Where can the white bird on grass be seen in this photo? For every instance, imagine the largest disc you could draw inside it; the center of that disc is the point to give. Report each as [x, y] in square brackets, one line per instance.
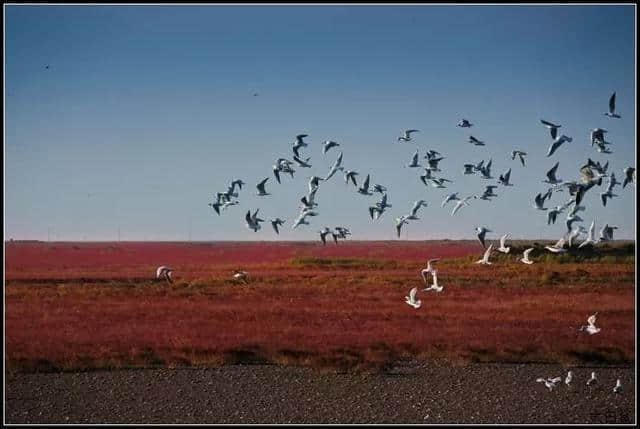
[525, 256]
[550, 383]
[241, 276]
[485, 257]
[592, 380]
[411, 299]
[502, 247]
[164, 272]
[590, 327]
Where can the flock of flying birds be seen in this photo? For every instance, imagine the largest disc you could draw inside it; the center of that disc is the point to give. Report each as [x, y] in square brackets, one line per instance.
[591, 174]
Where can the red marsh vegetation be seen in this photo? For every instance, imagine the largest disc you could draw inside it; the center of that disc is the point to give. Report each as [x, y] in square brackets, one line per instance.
[96, 305]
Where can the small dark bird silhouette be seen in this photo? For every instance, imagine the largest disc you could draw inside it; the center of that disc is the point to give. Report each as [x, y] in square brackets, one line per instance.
[46, 67]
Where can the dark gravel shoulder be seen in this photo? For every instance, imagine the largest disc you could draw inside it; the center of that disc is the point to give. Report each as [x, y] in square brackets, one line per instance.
[409, 393]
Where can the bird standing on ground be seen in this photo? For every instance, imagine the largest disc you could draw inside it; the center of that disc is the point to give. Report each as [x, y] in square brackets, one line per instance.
[592, 380]
[590, 327]
[164, 272]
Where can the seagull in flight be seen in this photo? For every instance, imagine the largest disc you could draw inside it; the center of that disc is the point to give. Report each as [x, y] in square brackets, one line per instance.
[323, 234]
[606, 233]
[485, 257]
[488, 192]
[553, 127]
[335, 167]
[407, 135]
[450, 197]
[591, 237]
[551, 175]
[612, 107]
[475, 141]
[558, 247]
[302, 163]
[399, 222]
[215, 206]
[379, 188]
[430, 268]
[299, 143]
[557, 143]
[164, 272]
[553, 214]
[525, 256]
[328, 145]
[462, 202]
[275, 223]
[261, 191]
[502, 247]
[520, 154]
[629, 173]
[482, 231]
[414, 161]
[253, 222]
[486, 170]
[435, 286]
[314, 182]
[504, 178]
[351, 175]
[539, 202]
[465, 124]
[364, 189]
[411, 299]
[469, 169]
[414, 210]
[571, 219]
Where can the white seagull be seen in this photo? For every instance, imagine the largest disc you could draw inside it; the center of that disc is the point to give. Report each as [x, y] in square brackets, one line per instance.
[502, 247]
[550, 383]
[261, 191]
[364, 188]
[275, 223]
[164, 272]
[482, 231]
[411, 299]
[485, 257]
[302, 163]
[435, 286]
[558, 247]
[475, 141]
[429, 269]
[328, 145]
[606, 233]
[520, 155]
[618, 387]
[525, 256]
[351, 175]
[414, 210]
[399, 222]
[612, 107]
[241, 276]
[407, 135]
[414, 161]
[569, 378]
[504, 178]
[551, 175]
[450, 197]
[590, 327]
[465, 124]
[629, 173]
[592, 379]
[552, 127]
[557, 143]
[591, 238]
[462, 202]
[335, 167]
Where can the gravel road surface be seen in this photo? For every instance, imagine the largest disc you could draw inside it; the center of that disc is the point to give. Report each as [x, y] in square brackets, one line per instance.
[409, 393]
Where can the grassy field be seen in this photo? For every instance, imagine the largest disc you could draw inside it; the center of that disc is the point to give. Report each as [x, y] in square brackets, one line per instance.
[87, 306]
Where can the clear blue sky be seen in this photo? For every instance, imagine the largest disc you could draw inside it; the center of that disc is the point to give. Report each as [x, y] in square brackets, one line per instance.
[146, 111]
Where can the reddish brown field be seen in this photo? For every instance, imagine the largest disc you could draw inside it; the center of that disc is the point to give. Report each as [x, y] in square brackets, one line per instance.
[96, 305]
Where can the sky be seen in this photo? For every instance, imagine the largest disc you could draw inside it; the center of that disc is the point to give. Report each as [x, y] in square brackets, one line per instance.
[145, 112]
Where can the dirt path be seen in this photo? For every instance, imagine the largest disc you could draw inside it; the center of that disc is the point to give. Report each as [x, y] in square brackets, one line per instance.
[409, 393]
